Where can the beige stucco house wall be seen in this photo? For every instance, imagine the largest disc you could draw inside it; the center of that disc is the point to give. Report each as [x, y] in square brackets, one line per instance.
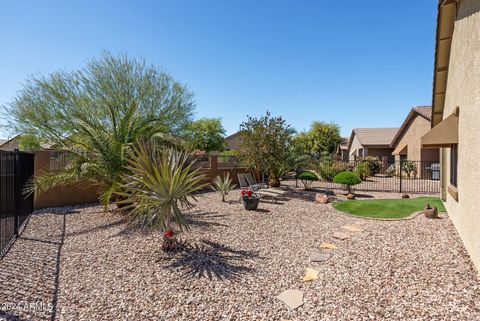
[371, 142]
[408, 141]
[461, 89]
[356, 148]
[10, 145]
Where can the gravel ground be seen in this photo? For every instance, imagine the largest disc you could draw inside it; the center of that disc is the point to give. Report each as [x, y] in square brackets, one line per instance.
[236, 262]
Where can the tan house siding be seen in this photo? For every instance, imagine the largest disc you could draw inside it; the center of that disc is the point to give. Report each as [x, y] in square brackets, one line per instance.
[412, 137]
[10, 145]
[463, 91]
[233, 141]
[355, 148]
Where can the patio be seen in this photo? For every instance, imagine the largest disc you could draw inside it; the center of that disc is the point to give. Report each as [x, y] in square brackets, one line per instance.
[235, 263]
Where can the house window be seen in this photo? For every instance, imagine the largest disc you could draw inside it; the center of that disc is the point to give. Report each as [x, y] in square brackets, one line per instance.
[453, 164]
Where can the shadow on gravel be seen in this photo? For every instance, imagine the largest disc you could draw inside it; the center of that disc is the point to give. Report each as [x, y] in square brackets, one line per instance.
[212, 260]
[205, 219]
[29, 272]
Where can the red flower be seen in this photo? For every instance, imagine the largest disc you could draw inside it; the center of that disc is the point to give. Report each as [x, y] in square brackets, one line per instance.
[243, 192]
[249, 193]
[168, 233]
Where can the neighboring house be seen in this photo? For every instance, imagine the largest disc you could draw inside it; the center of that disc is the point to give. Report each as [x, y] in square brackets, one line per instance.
[456, 116]
[10, 145]
[2, 141]
[13, 144]
[374, 142]
[233, 141]
[407, 143]
[342, 149]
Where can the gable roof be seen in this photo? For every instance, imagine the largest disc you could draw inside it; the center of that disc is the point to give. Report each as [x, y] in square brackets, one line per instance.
[344, 142]
[3, 141]
[232, 135]
[373, 136]
[422, 111]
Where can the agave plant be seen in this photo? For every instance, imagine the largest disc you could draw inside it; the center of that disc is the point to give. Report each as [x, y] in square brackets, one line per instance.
[223, 184]
[159, 185]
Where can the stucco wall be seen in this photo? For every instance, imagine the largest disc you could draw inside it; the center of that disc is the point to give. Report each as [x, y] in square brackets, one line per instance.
[232, 142]
[412, 137]
[463, 91]
[356, 145]
[380, 153]
[10, 146]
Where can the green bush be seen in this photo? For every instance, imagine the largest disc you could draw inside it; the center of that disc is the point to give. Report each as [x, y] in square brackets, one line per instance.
[373, 164]
[409, 167]
[328, 169]
[347, 179]
[307, 178]
[362, 170]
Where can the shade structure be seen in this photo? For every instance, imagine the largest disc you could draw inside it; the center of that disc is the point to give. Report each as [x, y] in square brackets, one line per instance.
[443, 134]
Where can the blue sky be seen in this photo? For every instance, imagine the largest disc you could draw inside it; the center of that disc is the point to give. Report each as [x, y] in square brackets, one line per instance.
[359, 64]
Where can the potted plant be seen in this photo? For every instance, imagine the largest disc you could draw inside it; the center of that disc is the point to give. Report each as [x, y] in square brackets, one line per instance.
[347, 179]
[250, 199]
[430, 212]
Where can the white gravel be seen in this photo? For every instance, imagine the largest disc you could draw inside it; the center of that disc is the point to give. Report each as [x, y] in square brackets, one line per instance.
[236, 263]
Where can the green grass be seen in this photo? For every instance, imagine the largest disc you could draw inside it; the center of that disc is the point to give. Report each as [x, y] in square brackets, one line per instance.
[388, 208]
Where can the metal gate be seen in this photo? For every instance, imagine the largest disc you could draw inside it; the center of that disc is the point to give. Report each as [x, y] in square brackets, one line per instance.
[16, 168]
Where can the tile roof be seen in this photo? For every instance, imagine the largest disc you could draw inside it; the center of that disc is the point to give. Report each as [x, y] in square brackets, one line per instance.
[375, 136]
[425, 111]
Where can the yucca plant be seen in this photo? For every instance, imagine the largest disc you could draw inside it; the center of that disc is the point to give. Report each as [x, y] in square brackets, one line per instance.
[223, 184]
[158, 186]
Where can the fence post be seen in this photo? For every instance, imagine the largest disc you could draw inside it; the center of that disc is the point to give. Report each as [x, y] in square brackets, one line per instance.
[15, 193]
[401, 175]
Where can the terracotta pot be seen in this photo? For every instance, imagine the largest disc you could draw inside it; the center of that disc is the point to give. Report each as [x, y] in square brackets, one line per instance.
[251, 204]
[430, 212]
[169, 244]
[350, 196]
[274, 182]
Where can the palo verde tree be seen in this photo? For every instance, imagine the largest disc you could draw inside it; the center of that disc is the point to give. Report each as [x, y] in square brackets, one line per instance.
[96, 113]
[264, 146]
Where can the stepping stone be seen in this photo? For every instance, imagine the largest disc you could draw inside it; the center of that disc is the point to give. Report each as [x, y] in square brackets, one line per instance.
[310, 275]
[352, 228]
[292, 298]
[319, 257]
[329, 246]
[341, 235]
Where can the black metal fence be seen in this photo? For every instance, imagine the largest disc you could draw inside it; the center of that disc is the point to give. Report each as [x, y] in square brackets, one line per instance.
[399, 176]
[16, 168]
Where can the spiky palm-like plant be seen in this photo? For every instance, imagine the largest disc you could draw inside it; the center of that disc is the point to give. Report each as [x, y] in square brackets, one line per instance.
[159, 185]
[223, 184]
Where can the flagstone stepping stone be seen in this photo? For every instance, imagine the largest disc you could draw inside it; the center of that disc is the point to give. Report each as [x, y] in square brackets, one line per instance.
[292, 298]
[352, 228]
[341, 235]
[310, 275]
[329, 246]
[319, 257]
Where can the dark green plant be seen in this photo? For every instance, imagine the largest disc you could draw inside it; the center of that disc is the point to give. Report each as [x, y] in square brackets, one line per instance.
[307, 178]
[347, 179]
[223, 184]
[328, 169]
[96, 114]
[409, 168]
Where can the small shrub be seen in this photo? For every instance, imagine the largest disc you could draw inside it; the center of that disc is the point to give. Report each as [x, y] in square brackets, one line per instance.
[328, 169]
[362, 170]
[223, 184]
[307, 178]
[391, 170]
[347, 179]
[409, 167]
[373, 164]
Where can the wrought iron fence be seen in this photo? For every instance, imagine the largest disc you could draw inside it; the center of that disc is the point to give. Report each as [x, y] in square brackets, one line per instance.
[399, 176]
[15, 170]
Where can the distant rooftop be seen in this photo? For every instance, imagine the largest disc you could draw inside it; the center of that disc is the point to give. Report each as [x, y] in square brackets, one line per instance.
[375, 136]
